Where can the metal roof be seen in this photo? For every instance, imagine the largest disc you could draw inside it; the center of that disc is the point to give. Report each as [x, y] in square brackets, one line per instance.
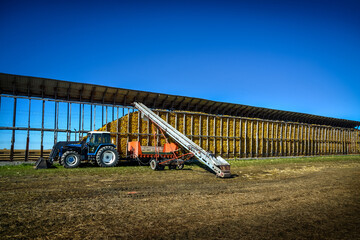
[49, 88]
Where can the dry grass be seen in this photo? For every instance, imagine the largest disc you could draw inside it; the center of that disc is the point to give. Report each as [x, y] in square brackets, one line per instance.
[298, 200]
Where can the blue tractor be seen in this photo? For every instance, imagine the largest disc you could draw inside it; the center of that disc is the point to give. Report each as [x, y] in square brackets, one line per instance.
[96, 147]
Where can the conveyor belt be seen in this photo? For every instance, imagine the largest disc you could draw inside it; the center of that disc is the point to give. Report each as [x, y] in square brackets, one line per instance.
[216, 164]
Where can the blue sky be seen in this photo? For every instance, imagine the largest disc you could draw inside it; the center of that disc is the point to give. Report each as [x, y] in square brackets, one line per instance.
[301, 56]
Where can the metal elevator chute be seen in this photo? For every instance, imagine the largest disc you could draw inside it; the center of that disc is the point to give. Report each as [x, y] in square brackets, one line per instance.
[216, 164]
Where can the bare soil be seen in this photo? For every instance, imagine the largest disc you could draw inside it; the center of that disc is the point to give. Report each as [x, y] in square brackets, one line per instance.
[302, 200]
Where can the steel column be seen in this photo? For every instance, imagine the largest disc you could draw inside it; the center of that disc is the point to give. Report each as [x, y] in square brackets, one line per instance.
[240, 138]
[117, 128]
[267, 139]
[42, 129]
[257, 138]
[277, 140]
[207, 133]
[28, 135]
[227, 128]
[262, 139]
[200, 132]
[272, 139]
[13, 132]
[56, 121]
[251, 139]
[234, 139]
[214, 127]
[245, 139]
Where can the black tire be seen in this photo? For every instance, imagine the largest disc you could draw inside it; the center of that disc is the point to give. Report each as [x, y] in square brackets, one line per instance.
[70, 159]
[161, 167]
[107, 157]
[180, 166]
[154, 164]
[172, 167]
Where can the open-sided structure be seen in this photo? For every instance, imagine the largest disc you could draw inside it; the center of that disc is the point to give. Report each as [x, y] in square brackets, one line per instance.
[232, 130]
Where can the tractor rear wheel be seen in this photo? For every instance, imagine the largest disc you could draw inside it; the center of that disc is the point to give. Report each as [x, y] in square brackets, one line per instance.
[70, 159]
[107, 157]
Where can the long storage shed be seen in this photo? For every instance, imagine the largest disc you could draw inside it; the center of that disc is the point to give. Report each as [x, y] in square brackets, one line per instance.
[232, 130]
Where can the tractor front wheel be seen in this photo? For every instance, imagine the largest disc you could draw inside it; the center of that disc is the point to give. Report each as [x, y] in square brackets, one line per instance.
[107, 157]
[70, 159]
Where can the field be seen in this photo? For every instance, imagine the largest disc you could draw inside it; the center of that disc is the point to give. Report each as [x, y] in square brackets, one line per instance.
[297, 198]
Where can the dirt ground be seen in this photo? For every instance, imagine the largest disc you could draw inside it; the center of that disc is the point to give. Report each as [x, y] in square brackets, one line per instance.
[281, 200]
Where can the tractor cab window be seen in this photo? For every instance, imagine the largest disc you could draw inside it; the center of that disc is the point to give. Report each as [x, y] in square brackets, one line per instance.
[94, 142]
[95, 138]
[106, 138]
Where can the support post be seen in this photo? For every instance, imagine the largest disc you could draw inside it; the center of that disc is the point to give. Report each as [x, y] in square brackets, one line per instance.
[117, 129]
[302, 140]
[221, 136]
[42, 129]
[184, 125]
[281, 140]
[200, 131]
[257, 138]
[91, 116]
[102, 115]
[56, 121]
[306, 139]
[272, 139]
[148, 129]
[234, 137]
[240, 137]
[82, 121]
[67, 121]
[298, 141]
[313, 141]
[337, 141]
[251, 138]
[207, 133]
[267, 139]
[80, 111]
[285, 140]
[94, 117]
[28, 134]
[191, 126]
[138, 125]
[214, 127]
[13, 132]
[290, 141]
[262, 139]
[277, 140]
[128, 130]
[245, 139]
[227, 137]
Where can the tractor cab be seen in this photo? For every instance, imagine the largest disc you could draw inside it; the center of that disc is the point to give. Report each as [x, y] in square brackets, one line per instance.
[95, 139]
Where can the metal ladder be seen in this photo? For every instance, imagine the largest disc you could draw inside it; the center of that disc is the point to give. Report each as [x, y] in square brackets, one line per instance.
[216, 164]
